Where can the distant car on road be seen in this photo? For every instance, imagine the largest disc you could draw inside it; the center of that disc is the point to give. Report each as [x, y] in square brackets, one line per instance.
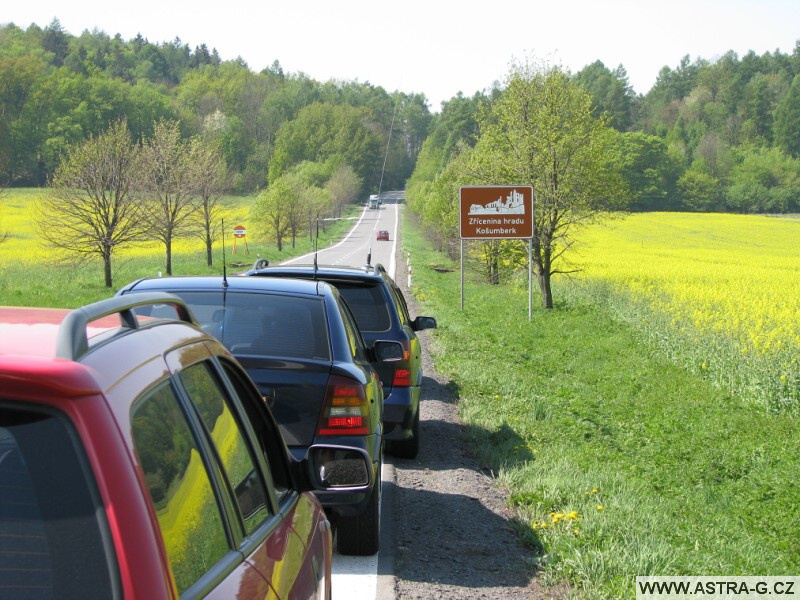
[382, 314]
[137, 460]
[300, 344]
[382, 235]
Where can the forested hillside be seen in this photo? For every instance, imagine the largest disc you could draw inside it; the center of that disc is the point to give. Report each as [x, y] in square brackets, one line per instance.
[720, 135]
[710, 135]
[57, 89]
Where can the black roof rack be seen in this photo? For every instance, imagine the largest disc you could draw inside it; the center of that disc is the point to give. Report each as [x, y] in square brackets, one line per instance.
[73, 343]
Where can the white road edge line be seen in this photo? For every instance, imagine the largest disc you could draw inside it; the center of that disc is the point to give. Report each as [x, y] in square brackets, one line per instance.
[342, 241]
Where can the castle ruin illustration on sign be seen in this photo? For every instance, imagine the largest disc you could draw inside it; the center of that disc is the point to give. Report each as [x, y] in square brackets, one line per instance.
[513, 204]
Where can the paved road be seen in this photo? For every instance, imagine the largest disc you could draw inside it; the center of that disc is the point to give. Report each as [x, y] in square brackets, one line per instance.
[367, 577]
[353, 249]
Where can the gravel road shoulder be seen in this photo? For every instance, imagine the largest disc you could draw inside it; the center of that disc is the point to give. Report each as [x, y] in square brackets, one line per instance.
[451, 529]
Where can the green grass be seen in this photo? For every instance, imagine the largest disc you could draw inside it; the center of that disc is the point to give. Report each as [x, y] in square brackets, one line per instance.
[31, 276]
[634, 465]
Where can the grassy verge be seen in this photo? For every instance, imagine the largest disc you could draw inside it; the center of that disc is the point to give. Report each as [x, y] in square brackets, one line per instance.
[30, 276]
[619, 462]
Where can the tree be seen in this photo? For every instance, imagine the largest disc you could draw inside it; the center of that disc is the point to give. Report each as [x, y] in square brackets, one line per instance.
[699, 189]
[271, 209]
[55, 40]
[4, 234]
[763, 180]
[167, 186]
[324, 131]
[343, 186]
[649, 171]
[611, 93]
[295, 209]
[209, 180]
[787, 120]
[318, 203]
[90, 208]
[541, 132]
[20, 79]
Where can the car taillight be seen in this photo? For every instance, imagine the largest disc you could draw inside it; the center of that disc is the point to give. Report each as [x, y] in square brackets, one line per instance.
[402, 376]
[346, 411]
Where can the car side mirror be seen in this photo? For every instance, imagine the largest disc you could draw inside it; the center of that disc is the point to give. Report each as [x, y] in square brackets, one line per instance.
[388, 351]
[421, 323]
[338, 468]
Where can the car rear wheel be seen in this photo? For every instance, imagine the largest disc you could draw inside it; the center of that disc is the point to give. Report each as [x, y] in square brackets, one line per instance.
[360, 536]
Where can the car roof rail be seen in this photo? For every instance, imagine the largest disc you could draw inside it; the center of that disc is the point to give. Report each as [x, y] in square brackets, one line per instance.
[73, 343]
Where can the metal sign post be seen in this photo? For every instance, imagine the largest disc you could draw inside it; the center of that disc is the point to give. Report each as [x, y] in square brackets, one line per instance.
[240, 233]
[530, 279]
[462, 273]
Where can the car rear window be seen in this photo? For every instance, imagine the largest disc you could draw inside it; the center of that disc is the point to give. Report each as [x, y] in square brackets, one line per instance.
[259, 324]
[52, 523]
[368, 306]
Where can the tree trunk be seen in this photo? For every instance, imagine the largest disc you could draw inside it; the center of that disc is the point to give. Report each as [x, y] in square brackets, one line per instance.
[168, 244]
[107, 267]
[545, 289]
[209, 255]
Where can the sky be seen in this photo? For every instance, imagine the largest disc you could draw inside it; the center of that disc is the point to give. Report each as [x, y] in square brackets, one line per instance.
[436, 47]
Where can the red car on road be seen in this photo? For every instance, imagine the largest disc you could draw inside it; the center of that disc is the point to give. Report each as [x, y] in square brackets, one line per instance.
[138, 460]
[382, 235]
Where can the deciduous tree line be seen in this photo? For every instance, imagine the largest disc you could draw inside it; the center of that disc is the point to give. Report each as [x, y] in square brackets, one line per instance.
[57, 90]
[566, 135]
[110, 192]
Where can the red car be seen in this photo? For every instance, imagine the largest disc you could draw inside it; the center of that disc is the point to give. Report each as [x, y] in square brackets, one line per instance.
[138, 460]
[383, 235]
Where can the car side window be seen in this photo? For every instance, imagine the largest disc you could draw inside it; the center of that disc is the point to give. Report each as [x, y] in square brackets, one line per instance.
[179, 484]
[230, 442]
[266, 433]
[353, 336]
[400, 304]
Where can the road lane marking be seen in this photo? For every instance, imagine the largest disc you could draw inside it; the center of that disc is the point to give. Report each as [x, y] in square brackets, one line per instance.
[349, 233]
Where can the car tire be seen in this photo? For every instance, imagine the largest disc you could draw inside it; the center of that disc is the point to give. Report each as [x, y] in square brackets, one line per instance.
[407, 448]
[360, 536]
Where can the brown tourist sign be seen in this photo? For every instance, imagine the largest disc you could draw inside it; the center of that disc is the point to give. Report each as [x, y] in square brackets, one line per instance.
[496, 212]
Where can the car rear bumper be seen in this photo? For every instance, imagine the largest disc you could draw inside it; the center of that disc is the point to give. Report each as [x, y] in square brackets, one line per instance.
[399, 409]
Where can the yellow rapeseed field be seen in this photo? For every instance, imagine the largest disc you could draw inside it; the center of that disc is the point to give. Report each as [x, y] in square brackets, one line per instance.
[713, 276]
[24, 246]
